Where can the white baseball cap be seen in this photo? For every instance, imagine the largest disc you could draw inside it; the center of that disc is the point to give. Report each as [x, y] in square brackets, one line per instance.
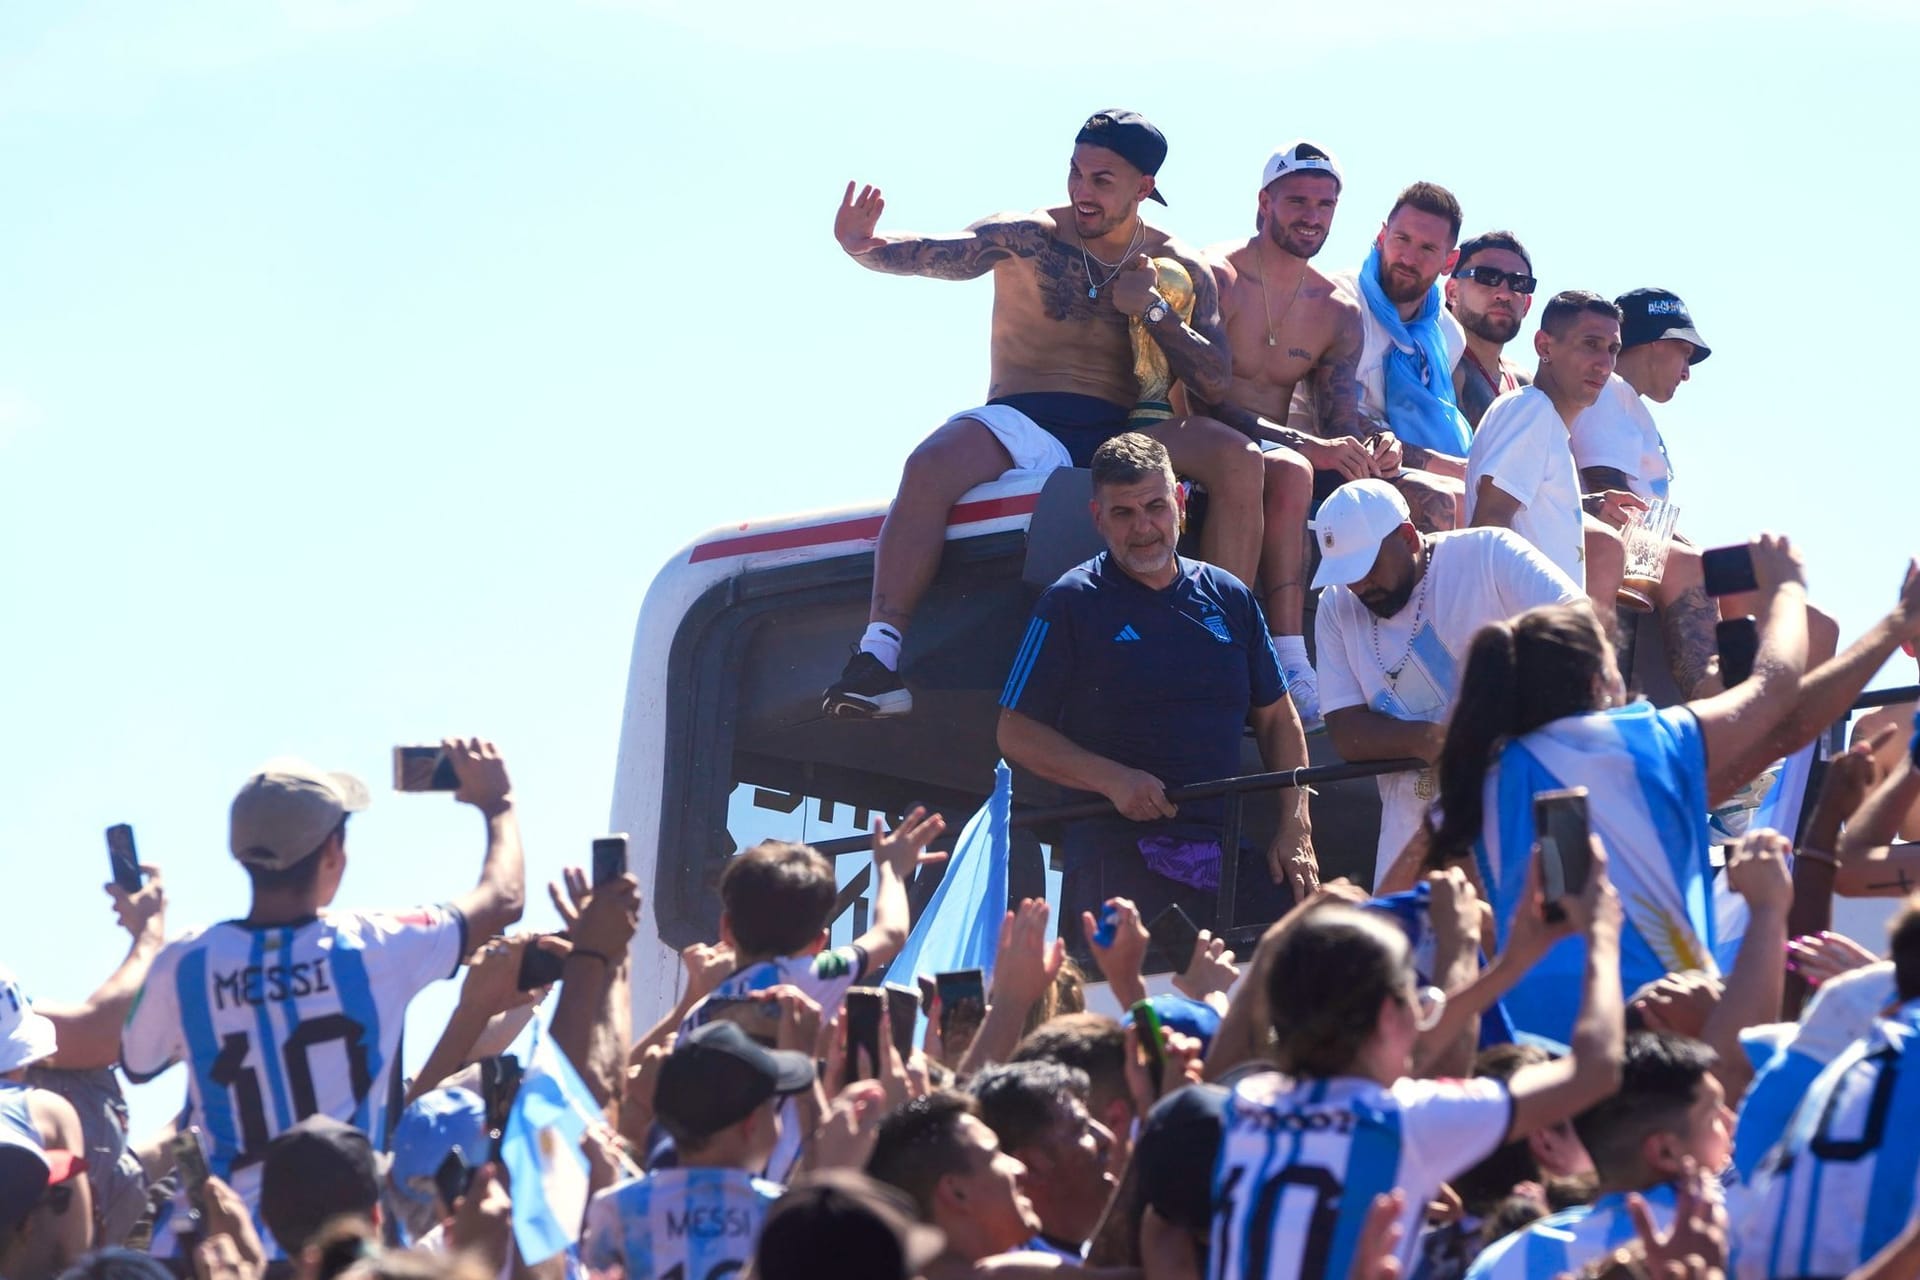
[1354, 520]
[25, 1036]
[1300, 156]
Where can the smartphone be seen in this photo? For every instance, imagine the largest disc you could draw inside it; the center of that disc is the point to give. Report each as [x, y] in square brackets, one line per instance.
[609, 858]
[122, 859]
[539, 967]
[1173, 934]
[423, 769]
[1147, 1030]
[191, 1159]
[1728, 570]
[903, 1007]
[451, 1178]
[499, 1086]
[863, 1009]
[1566, 854]
[760, 1019]
[1738, 640]
[963, 1004]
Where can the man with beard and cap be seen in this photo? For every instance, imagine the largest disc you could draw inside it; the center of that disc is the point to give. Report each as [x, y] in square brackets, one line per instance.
[1073, 287]
[1141, 671]
[1489, 293]
[1398, 611]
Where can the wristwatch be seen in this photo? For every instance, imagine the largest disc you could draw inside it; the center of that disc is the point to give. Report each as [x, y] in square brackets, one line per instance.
[1156, 310]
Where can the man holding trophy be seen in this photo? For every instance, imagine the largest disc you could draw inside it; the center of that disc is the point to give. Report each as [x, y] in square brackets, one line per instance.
[1077, 320]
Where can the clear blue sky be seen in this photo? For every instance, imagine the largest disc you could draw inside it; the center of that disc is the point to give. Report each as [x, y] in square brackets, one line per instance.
[360, 362]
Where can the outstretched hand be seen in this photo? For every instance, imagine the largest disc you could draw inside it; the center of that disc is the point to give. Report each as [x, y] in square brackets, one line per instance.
[1026, 965]
[853, 225]
[143, 913]
[905, 847]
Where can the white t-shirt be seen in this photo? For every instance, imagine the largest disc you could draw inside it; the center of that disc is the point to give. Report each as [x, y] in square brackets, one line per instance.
[1522, 447]
[1408, 666]
[1301, 1161]
[1617, 431]
[1372, 372]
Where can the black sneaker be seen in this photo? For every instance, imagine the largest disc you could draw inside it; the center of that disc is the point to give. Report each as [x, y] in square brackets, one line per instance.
[866, 690]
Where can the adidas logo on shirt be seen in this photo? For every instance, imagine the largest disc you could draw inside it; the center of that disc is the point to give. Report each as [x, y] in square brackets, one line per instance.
[1127, 633]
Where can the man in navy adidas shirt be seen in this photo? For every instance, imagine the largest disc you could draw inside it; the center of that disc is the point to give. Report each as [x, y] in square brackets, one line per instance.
[1138, 674]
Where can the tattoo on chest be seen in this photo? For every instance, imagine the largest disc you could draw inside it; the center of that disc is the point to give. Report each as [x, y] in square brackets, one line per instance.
[1062, 280]
[1299, 353]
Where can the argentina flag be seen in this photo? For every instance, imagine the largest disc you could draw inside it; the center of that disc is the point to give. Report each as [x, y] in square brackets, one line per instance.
[1645, 771]
[541, 1147]
[960, 928]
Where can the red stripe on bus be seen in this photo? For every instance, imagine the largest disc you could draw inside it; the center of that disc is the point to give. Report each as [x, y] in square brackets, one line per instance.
[852, 530]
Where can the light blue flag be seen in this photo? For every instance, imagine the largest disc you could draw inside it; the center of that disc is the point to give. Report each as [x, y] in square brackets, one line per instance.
[960, 929]
[541, 1147]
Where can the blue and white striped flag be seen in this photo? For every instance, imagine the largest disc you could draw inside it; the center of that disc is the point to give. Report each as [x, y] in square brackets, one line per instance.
[960, 928]
[541, 1147]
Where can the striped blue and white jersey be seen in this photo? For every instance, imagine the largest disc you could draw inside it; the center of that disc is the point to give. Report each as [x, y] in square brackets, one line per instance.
[676, 1224]
[1567, 1241]
[1845, 1179]
[1301, 1162]
[287, 1021]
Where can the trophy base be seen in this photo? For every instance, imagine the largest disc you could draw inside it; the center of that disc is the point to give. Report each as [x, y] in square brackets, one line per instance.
[1148, 413]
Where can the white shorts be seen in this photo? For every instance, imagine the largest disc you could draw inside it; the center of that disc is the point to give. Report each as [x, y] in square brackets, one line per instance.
[1031, 446]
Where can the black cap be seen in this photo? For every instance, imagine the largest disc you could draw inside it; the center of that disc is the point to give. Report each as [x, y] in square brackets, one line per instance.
[717, 1076]
[866, 1227]
[313, 1173]
[1648, 315]
[1175, 1155]
[1132, 137]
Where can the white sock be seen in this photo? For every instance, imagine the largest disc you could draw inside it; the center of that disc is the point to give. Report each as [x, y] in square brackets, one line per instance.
[1292, 651]
[883, 642]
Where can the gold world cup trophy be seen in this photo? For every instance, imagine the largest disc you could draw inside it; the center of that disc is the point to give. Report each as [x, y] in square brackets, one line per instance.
[1149, 361]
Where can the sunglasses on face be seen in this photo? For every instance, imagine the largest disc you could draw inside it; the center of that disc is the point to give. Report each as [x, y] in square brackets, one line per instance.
[1494, 278]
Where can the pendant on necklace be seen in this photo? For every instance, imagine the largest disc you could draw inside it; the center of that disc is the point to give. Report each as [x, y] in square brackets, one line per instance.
[1269, 339]
[1093, 291]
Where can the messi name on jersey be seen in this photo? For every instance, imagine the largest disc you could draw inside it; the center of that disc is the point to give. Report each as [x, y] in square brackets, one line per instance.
[258, 984]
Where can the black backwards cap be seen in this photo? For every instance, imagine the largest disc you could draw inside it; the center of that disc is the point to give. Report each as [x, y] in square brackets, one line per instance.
[1132, 137]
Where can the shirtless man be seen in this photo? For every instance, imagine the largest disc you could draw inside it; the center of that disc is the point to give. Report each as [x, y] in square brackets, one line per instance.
[1490, 293]
[1066, 282]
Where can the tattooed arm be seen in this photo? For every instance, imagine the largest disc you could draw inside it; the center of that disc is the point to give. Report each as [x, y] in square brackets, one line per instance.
[966, 256]
[1336, 381]
[1196, 350]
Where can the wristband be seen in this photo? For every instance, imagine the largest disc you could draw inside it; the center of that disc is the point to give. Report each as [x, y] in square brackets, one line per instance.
[580, 952]
[1816, 855]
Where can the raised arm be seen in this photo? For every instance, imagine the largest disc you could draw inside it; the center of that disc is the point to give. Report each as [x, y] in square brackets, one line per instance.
[593, 1019]
[1738, 725]
[1757, 871]
[897, 854]
[501, 895]
[1548, 1092]
[966, 255]
[87, 1035]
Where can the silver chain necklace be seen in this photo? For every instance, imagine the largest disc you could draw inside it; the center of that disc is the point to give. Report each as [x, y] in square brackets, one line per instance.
[1413, 632]
[1087, 260]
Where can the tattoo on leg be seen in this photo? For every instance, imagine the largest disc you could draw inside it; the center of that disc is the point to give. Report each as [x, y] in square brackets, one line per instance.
[895, 618]
[1687, 624]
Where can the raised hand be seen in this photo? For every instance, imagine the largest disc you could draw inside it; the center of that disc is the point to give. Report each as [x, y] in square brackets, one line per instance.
[1775, 562]
[853, 225]
[707, 965]
[1906, 614]
[1851, 778]
[1121, 960]
[482, 773]
[1822, 957]
[905, 847]
[1210, 969]
[1026, 966]
[142, 914]
[1757, 870]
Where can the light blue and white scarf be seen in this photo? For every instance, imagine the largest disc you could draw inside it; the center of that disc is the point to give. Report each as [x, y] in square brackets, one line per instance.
[1645, 772]
[1419, 374]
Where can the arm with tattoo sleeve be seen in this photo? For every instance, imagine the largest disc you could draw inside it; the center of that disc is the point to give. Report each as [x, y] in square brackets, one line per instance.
[1336, 383]
[965, 256]
[1196, 350]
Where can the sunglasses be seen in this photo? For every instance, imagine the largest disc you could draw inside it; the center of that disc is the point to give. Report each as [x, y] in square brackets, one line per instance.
[1494, 278]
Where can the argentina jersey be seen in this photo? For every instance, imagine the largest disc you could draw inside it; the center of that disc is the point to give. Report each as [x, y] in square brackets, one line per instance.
[1563, 1243]
[1845, 1179]
[1301, 1163]
[281, 1022]
[676, 1224]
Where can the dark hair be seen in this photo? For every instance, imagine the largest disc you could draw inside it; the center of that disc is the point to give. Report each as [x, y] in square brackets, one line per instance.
[1492, 240]
[1903, 937]
[1431, 197]
[919, 1144]
[1094, 1044]
[778, 897]
[1659, 1075]
[1129, 458]
[117, 1264]
[1515, 1213]
[1568, 303]
[1485, 1185]
[1522, 673]
[298, 877]
[1330, 975]
[1022, 1101]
